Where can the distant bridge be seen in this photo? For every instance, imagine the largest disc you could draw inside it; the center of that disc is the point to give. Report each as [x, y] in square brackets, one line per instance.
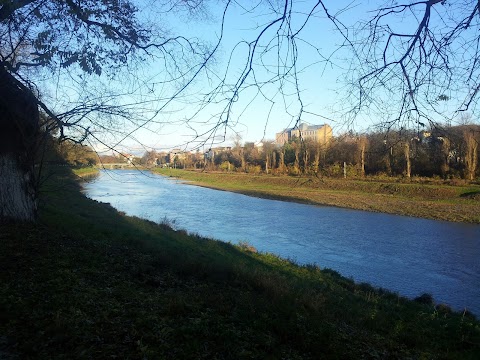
[115, 166]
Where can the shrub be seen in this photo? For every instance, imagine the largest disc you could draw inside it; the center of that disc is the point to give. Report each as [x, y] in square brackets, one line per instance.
[254, 169]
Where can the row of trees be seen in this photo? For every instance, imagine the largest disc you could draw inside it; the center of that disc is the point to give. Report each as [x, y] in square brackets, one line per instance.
[449, 152]
[74, 154]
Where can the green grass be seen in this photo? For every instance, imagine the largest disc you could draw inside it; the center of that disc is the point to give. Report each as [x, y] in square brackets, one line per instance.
[85, 171]
[90, 282]
[433, 200]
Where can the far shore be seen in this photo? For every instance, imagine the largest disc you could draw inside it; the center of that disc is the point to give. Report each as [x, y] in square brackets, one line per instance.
[431, 201]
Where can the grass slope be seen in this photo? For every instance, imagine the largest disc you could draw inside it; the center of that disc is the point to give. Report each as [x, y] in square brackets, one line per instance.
[432, 201]
[89, 282]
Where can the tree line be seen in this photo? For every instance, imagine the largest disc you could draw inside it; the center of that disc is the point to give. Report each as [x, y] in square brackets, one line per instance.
[444, 152]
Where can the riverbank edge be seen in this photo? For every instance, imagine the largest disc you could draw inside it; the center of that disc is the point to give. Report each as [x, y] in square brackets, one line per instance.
[88, 281]
[86, 173]
[449, 208]
[93, 171]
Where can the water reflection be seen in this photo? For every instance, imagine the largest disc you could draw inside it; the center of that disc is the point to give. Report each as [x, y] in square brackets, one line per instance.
[404, 254]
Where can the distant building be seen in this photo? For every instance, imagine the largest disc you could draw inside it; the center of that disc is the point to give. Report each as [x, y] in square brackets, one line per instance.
[259, 146]
[283, 137]
[321, 134]
[221, 149]
[128, 157]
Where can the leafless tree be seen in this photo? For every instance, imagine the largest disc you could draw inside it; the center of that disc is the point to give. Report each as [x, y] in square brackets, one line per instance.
[79, 63]
[362, 143]
[471, 153]
[408, 163]
[416, 62]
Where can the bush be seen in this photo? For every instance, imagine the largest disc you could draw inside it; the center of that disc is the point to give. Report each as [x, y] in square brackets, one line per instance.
[226, 166]
[254, 169]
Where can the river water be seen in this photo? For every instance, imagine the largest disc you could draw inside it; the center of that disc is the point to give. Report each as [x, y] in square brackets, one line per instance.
[407, 255]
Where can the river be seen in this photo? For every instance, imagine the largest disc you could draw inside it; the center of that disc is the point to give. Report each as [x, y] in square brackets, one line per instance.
[407, 255]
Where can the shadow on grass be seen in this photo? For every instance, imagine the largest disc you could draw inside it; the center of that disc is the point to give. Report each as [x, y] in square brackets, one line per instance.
[475, 195]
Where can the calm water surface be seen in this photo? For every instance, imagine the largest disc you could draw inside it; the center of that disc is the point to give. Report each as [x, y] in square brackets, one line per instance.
[407, 255]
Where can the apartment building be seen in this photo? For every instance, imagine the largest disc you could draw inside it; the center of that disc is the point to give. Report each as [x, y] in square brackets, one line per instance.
[321, 134]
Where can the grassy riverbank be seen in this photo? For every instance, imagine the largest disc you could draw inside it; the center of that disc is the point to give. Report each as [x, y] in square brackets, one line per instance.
[90, 282]
[460, 203]
[86, 172]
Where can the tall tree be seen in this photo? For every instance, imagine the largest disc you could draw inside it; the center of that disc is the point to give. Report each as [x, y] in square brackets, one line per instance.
[471, 153]
[269, 153]
[281, 164]
[362, 147]
[445, 151]
[75, 41]
[297, 148]
[19, 125]
[408, 163]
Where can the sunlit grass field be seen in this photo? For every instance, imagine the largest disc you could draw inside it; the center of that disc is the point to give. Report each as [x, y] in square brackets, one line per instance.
[427, 199]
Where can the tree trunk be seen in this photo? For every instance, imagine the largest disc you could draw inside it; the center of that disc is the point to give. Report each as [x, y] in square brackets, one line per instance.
[17, 191]
[408, 165]
[296, 165]
[19, 122]
[306, 159]
[362, 160]
[281, 166]
[266, 164]
[445, 152]
[363, 145]
[389, 161]
[471, 154]
[316, 161]
[244, 164]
